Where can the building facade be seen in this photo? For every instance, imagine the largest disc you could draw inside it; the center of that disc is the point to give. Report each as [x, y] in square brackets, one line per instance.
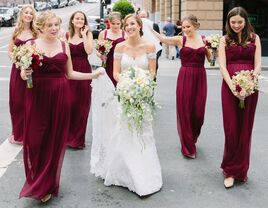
[210, 13]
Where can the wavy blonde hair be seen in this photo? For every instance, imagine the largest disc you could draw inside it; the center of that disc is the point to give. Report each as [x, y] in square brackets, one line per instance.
[43, 18]
[20, 24]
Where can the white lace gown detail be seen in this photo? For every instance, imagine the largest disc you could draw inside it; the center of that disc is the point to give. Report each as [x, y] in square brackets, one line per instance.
[124, 158]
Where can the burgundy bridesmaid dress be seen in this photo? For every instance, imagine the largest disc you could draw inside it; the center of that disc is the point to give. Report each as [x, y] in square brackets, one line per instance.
[110, 56]
[238, 123]
[80, 97]
[47, 117]
[17, 88]
[191, 97]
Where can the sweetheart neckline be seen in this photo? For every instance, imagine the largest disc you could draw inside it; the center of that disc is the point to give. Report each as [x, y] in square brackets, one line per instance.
[54, 55]
[134, 58]
[194, 48]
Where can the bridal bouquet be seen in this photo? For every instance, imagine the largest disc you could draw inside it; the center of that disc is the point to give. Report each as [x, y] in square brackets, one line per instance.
[104, 47]
[135, 91]
[27, 57]
[245, 83]
[213, 42]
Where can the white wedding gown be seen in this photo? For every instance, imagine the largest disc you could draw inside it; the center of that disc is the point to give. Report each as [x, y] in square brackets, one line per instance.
[118, 156]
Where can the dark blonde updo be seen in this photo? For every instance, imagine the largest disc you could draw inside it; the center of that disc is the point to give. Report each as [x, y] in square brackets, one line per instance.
[43, 18]
[192, 19]
[115, 16]
[138, 20]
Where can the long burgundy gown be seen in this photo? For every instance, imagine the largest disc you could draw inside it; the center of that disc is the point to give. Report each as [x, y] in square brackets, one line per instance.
[47, 117]
[238, 123]
[80, 97]
[191, 97]
[110, 56]
[17, 88]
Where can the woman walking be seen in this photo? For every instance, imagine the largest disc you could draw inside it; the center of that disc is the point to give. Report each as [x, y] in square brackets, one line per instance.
[239, 49]
[80, 41]
[24, 31]
[191, 90]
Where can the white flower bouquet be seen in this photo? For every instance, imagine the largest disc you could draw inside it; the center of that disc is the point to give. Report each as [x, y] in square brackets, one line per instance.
[244, 83]
[213, 42]
[135, 92]
[25, 57]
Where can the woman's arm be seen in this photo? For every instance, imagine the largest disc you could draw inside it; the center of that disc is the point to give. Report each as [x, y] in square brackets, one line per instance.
[257, 57]
[117, 61]
[175, 40]
[87, 39]
[150, 49]
[222, 63]
[71, 74]
[10, 46]
[208, 54]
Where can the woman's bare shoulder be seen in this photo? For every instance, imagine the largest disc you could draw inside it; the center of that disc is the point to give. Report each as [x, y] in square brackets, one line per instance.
[120, 46]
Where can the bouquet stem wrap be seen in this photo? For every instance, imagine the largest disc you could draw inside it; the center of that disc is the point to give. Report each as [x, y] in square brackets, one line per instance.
[29, 82]
[213, 59]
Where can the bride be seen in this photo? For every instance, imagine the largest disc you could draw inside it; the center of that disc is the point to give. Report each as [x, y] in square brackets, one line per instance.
[117, 155]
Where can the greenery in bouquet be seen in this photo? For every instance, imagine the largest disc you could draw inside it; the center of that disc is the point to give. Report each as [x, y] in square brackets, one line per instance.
[135, 92]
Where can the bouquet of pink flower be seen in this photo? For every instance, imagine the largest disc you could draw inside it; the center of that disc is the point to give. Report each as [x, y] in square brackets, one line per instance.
[244, 83]
[213, 42]
[104, 47]
[27, 57]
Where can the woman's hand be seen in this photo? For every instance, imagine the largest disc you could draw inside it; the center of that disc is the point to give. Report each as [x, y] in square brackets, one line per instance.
[103, 58]
[84, 30]
[25, 73]
[99, 71]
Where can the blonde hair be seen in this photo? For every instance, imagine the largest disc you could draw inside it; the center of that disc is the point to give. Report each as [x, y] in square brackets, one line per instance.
[20, 24]
[192, 19]
[43, 18]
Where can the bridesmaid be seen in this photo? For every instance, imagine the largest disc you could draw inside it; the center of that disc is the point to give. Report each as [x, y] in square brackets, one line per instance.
[24, 31]
[47, 111]
[80, 40]
[191, 83]
[239, 49]
[116, 35]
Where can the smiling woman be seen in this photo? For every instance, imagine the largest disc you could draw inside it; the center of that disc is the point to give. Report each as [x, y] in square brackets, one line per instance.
[81, 45]
[23, 32]
[258, 17]
[44, 141]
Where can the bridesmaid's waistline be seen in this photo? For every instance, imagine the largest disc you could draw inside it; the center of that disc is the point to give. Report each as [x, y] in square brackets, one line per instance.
[49, 76]
[193, 65]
